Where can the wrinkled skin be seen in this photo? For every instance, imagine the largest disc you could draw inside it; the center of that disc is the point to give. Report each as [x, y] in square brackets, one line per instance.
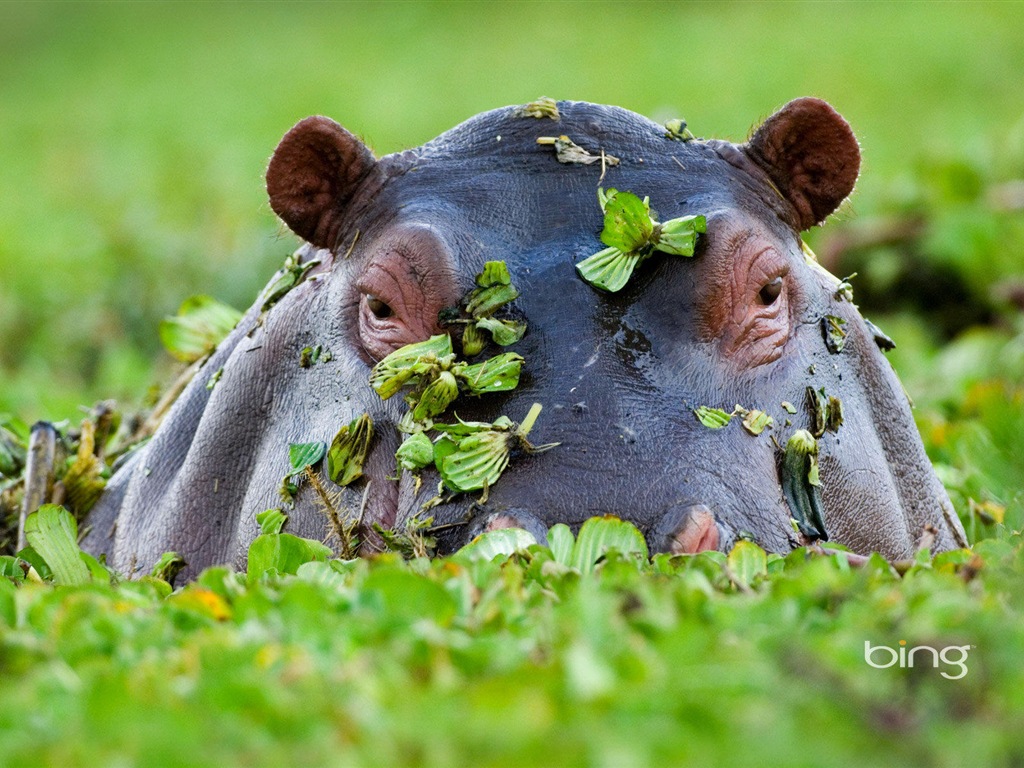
[401, 238]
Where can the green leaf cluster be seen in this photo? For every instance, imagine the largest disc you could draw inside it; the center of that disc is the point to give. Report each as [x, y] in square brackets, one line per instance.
[632, 236]
[570, 651]
[471, 455]
[493, 292]
[434, 376]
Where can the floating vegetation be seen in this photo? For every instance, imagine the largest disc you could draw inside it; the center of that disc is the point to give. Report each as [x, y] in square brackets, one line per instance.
[84, 479]
[632, 236]
[201, 324]
[169, 566]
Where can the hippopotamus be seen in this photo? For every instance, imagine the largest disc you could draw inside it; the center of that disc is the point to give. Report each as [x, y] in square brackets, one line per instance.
[393, 243]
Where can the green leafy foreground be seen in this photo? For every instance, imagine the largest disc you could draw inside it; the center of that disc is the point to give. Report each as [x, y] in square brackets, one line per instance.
[567, 654]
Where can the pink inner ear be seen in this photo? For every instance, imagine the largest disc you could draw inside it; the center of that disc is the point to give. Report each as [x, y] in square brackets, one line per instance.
[811, 155]
[313, 175]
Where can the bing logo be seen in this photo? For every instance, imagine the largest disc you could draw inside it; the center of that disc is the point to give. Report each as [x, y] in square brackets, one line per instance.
[952, 656]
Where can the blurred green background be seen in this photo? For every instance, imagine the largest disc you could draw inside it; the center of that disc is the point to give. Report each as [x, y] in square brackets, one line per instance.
[133, 140]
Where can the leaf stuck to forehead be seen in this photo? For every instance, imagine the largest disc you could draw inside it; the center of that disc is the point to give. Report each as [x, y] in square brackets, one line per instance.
[609, 269]
[542, 107]
[349, 449]
[310, 356]
[834, 333]
[816, 403]
[679, 236]
[788, 407]
[712, 418]
[569, 152]
[214, 378]
[473, 340]
[271, 520]
[627, 222]
[493, 292]
[473, 454]
[632, 235]
[833, 414]
[435, 397]
[477, 461]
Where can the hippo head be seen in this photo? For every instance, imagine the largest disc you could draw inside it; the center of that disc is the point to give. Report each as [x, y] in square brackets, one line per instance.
[749, 319]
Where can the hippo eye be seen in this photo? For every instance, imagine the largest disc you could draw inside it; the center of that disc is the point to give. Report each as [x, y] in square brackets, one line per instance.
[770, 292]
[379, 308]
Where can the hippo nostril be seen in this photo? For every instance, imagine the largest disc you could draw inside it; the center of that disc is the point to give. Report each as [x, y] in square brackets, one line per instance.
[485, 521]
[687, 530]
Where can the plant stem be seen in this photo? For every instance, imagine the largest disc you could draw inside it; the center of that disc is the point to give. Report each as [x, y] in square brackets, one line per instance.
[531, 417]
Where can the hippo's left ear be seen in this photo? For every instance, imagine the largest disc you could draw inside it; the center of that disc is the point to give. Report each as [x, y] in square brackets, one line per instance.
[313, 175]
[811, 155]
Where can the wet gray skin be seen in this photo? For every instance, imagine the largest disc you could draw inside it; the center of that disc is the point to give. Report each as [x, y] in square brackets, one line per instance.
[402, 237]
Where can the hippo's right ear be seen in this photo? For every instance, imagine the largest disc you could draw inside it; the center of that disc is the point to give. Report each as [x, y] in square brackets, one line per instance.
[313, 175]
[810, 153]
